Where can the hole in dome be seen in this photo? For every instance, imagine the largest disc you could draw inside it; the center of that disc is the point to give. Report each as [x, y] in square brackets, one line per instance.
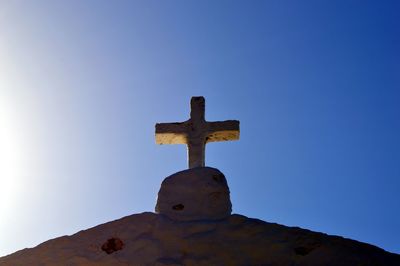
[220, 178]
[178, 207]
[112, 245]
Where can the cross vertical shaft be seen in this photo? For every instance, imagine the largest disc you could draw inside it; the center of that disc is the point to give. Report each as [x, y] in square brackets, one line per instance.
[197, 133]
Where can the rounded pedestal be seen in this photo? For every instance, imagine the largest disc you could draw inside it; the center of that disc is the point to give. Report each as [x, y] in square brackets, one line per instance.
[195, 194]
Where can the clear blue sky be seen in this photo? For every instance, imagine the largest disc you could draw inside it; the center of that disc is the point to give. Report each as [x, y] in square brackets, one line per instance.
[315, 85]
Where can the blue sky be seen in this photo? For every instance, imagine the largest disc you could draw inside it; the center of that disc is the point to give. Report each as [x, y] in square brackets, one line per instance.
[315, 85]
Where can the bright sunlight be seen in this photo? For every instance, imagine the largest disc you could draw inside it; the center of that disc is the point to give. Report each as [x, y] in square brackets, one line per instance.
[10, 157]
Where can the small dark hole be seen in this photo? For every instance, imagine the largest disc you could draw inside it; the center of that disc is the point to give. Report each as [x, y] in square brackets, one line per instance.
[220, 178]
[112, 245]
[178, 207]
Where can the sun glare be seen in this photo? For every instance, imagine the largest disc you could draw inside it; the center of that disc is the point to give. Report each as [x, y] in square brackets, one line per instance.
[10, 158]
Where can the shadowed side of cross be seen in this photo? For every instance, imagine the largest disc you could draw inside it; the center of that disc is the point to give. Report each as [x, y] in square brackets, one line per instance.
[196, 132]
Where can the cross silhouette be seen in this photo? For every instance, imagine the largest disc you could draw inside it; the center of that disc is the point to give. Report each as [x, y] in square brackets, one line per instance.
[196, 132]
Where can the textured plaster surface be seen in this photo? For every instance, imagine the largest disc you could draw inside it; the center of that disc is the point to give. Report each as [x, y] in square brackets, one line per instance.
[200, 193]
[194, 227]
[154, 239]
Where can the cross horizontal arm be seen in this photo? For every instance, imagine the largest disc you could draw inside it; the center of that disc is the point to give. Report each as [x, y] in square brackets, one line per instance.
[171, 133]
[223, 131]
[196, 132]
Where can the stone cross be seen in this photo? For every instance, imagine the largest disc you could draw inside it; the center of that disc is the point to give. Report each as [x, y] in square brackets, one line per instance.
[196, 132]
